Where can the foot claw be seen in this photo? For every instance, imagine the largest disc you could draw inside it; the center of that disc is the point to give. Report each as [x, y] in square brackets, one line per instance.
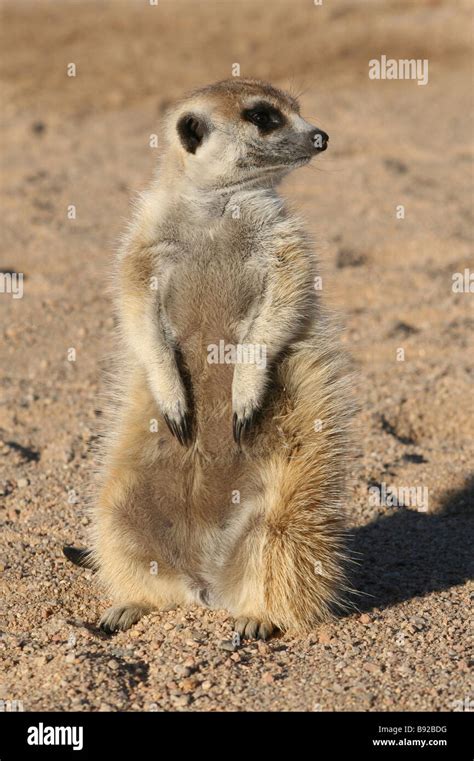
[251, 628]
[121, 618]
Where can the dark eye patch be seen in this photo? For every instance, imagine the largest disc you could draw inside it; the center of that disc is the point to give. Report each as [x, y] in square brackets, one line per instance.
[265, 116]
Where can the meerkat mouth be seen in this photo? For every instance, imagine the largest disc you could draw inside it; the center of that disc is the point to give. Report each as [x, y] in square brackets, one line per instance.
[263, 172]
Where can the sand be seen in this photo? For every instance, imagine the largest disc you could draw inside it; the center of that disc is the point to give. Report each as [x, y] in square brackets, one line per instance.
[84, 142]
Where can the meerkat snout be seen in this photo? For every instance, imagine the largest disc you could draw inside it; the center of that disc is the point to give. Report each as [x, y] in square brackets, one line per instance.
[319, 140]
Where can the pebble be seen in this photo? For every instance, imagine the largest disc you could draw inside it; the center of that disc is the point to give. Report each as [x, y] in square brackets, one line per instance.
[324, 637]
[181, 700]
[189, 684]
[227, 644]
[182, 671]
[418, 623]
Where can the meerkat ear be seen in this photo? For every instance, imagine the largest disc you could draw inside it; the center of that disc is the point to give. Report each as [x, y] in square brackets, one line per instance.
[192, 130]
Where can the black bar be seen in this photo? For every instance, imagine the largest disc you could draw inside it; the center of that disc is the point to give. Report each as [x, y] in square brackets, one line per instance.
[378, 735]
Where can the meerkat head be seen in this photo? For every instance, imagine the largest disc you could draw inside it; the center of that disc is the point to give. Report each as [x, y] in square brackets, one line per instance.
[240, 133]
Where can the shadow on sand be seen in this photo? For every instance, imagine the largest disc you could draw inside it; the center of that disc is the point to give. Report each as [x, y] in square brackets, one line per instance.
[409, 554]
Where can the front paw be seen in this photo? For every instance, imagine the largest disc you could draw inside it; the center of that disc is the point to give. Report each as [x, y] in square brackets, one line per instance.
[170, 397]
[178, 419]
[248, 387]
[180, 424]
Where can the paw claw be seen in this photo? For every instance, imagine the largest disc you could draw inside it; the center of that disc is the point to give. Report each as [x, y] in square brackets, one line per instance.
[251, 628]
[241, 426]
[180, 428]
[120, 618]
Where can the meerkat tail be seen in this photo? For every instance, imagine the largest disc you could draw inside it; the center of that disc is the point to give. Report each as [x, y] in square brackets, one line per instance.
[303, 564]
[80, 557]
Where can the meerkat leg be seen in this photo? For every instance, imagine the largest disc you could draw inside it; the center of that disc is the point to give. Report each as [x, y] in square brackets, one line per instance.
[149, 338]
[134, 545]
[164, 379]
[122, 617]
[287, 304]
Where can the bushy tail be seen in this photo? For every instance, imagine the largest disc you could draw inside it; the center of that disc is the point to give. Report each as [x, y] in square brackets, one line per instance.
[80, 557]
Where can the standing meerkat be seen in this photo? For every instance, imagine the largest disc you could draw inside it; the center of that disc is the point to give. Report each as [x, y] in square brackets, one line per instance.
[223, 475]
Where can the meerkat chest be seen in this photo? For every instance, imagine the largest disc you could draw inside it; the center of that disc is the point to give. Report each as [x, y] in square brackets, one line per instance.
[214, 287]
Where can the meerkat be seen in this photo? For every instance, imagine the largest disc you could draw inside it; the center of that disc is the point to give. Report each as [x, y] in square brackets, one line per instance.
[224, 469]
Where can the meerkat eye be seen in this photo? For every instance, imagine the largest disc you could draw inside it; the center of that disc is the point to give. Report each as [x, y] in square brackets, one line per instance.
[266, 117]
[192, 131]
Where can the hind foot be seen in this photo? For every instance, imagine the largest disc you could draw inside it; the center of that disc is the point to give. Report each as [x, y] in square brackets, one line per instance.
[121, 617]
[250, 628]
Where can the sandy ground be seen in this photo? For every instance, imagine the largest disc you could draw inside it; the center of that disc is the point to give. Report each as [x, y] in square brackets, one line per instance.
[85, 141]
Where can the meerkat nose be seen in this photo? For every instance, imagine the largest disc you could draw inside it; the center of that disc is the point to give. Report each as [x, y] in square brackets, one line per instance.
[319, 140]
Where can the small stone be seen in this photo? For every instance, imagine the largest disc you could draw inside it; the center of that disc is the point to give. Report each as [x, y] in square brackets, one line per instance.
[364, 619]
[182, 671]
[228, 644]
[38, 127]
[372, 668]
[22, 483]
[188, 685]
[324, 637]
[182, 700]
[198, 636]
[418, 623]
[267, 678]
[54, 626]
[112, 664]
[348, 257]
[206, 685]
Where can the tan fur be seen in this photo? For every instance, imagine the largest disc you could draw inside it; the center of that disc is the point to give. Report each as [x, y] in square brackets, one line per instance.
[276, 556]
